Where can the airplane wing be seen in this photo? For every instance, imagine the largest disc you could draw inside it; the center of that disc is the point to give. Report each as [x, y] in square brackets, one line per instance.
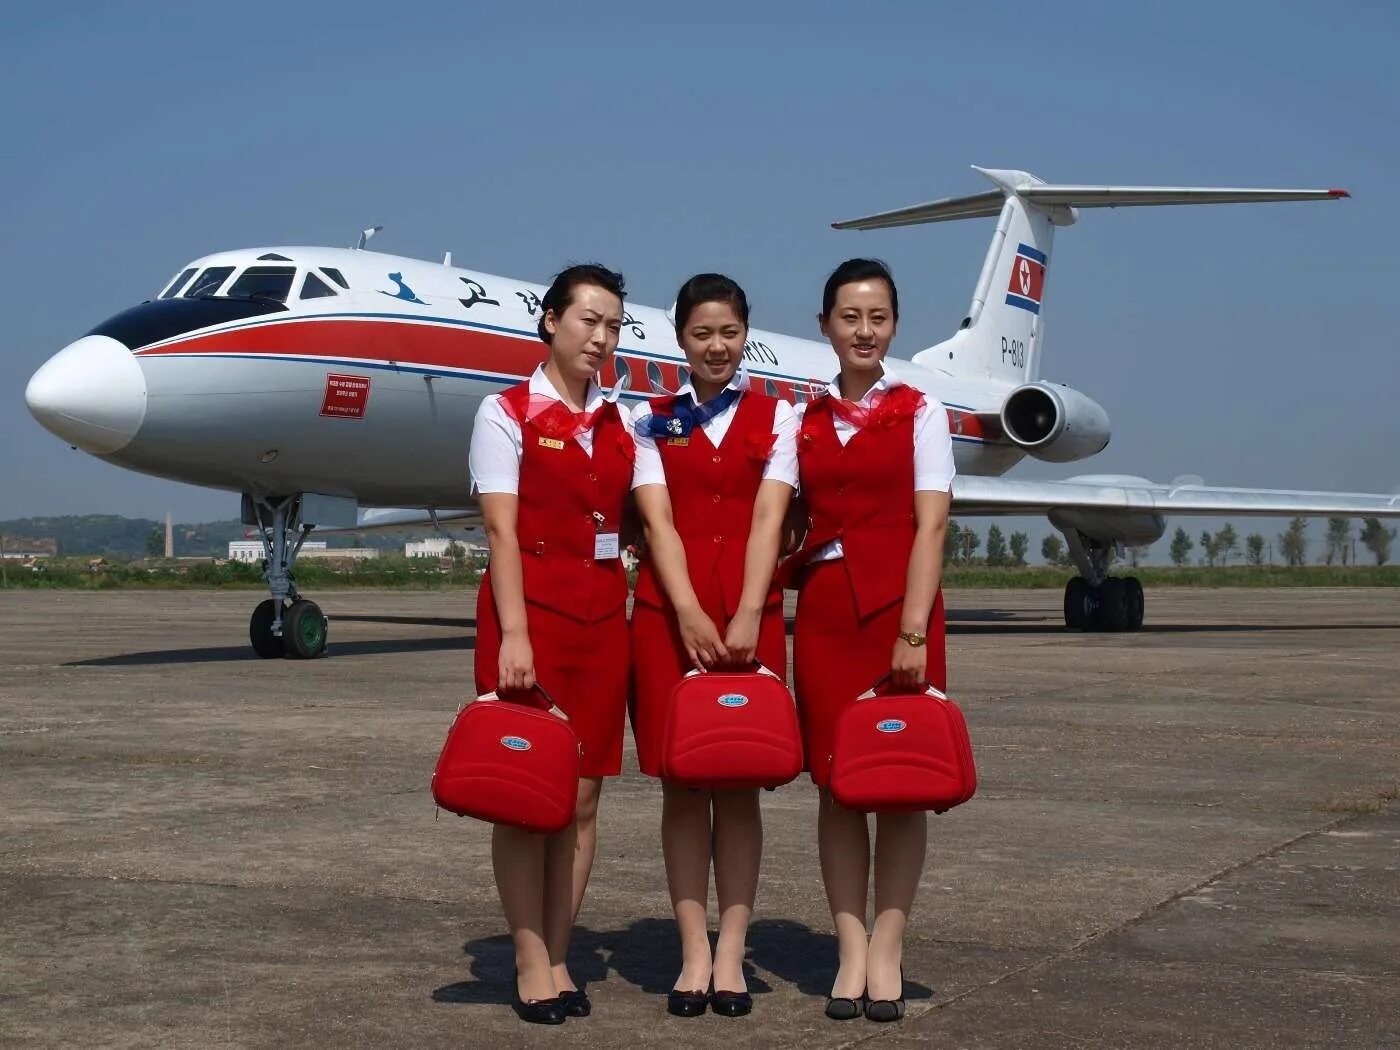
[408, 517]
[974, 495]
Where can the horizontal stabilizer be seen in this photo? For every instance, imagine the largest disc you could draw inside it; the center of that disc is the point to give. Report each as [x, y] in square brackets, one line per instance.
[977, 206]
[1147, 196]
[1049, 195]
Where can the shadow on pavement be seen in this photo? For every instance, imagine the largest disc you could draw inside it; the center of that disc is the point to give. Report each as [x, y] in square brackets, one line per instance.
[647, 955]
[244, 653]
[413, 621]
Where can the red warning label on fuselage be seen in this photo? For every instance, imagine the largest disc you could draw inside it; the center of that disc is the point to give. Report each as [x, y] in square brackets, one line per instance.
[346, 396]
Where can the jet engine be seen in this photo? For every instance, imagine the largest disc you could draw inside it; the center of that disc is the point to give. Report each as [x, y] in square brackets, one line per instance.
[1054, 423]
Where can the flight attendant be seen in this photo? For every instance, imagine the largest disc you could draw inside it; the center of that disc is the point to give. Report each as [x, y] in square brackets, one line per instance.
[552, 461]
[875, 462]
[716, 468]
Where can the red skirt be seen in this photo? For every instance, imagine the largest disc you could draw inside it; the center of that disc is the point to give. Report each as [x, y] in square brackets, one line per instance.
[659, 661]
[583, 666]
[837, 655]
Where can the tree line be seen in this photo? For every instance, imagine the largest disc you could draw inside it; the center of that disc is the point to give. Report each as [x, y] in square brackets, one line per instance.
[1338, 547]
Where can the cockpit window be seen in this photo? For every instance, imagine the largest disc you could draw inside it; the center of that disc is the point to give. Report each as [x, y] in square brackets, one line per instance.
[173, 288]
[273, 257]
[263, 282]
[336, 276]
[315, 288]
[208, 282]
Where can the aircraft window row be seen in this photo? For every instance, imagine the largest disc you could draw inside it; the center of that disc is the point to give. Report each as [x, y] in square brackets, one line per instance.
[208, 282]
[173, 288]
[654, 378]
[315, 288]
[264, 282]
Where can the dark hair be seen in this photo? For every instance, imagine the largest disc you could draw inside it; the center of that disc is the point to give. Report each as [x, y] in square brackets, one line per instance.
[710, 288]
[851, 271]
[561, 291]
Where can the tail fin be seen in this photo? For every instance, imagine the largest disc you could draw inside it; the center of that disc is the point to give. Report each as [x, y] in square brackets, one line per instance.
[1001, 336]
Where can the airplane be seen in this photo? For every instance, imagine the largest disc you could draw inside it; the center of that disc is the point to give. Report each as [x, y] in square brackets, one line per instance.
[336, 388]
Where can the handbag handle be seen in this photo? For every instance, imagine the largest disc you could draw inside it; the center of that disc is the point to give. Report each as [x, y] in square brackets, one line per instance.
[536, 690]
[929, 689]
[758, 667]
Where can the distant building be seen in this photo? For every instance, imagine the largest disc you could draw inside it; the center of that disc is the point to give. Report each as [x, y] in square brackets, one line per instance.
[252, 550]
[441, 547]
[24, 547]
[346, 553]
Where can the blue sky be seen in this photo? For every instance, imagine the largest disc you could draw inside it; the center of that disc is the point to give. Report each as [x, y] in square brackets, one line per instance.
[1248, 345]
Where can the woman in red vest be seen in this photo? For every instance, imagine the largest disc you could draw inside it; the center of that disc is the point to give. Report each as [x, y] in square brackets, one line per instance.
[876, 467]
[552, 461]
[716, 468]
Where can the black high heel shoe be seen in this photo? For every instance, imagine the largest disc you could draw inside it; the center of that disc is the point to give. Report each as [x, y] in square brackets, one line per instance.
[885, 1010]
[576, 1003]
[731, 1004]
[537, 1011]
[840, 1008]
[540, 1011]
[686, 1004]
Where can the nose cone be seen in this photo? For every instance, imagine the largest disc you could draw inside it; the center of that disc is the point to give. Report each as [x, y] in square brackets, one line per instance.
[91, 393]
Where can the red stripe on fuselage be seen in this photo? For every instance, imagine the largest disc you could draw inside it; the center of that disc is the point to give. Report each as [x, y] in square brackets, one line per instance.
[443, 346]
[410, 344]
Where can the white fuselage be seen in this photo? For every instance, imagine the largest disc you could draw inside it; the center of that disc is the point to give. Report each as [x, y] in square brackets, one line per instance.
[370, 392]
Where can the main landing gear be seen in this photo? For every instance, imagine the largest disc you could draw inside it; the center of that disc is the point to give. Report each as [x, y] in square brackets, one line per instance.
[285, 624]
[1096, 601]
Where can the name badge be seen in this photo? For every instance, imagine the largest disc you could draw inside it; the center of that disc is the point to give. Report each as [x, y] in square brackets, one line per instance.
[605, 545]
[680, 442]
[551, 442]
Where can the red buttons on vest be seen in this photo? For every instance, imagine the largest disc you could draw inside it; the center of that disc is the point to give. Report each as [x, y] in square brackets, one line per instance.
[556, 519]
[712, 494]
[863, 493]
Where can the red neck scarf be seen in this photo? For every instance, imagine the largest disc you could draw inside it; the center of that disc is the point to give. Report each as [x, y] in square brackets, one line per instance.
[886, 408]
[554, 419]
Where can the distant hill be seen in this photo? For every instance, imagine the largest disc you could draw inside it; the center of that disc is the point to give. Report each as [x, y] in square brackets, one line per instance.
[111, 535]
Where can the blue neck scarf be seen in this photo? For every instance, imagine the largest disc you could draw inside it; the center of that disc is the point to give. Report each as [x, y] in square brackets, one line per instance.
[686, 415]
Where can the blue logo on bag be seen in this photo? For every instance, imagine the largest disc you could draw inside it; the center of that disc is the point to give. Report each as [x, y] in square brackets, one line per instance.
[516, 743]
[891, 725]
[733, 700]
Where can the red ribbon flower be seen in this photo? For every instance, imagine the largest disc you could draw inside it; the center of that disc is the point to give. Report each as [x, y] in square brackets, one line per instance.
[758, 446]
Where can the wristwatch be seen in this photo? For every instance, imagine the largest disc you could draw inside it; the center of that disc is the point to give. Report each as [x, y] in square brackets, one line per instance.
[913, 638]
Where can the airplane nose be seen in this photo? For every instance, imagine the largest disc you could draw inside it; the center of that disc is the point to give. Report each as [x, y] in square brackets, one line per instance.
[91, 393]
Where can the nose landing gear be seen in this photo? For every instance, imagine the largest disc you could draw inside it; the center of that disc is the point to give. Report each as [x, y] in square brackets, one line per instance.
[285, 624]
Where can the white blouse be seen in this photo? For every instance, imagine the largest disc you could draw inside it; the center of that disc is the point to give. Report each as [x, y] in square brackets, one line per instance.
[782, 458]
[933, 446]
[497, 441]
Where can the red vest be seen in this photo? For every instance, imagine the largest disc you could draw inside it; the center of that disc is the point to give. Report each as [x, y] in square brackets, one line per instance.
[863, 494]
[561, 487]
[712, 493]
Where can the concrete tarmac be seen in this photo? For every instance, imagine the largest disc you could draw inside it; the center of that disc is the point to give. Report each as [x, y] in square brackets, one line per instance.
[1182, 838]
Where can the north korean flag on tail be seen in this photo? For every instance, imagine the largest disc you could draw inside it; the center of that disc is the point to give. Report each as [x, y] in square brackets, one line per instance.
[1027, 279]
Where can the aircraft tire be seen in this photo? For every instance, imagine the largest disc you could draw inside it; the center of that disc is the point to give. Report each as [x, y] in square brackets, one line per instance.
[304, 630]
[1137, 603]
[1114, 605]
[1076, 603]
[265, 643]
